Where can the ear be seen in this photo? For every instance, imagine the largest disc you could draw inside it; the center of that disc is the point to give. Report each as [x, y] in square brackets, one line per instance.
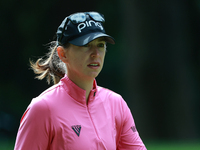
[61, 54]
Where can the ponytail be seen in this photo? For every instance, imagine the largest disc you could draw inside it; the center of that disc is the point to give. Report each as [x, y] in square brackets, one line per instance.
[50, 67]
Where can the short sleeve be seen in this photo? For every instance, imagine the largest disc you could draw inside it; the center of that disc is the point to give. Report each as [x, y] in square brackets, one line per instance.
[34, 130]
[129, 137]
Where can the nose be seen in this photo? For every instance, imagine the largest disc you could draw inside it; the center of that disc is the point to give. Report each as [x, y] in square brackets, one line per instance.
[95, 51]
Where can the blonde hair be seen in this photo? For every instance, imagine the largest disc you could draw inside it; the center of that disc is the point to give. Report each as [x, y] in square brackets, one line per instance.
[51, 66]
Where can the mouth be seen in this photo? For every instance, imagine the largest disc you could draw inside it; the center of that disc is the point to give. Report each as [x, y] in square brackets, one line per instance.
[94, 65]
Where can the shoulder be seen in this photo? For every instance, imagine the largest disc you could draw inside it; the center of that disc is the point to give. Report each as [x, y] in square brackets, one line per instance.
[50, 90]
[108, 93]
[37, 110]
[40, 104]
[116, 105]
[111, 97]
[48, 95]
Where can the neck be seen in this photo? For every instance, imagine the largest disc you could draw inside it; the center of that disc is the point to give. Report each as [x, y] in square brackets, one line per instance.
[86, 85]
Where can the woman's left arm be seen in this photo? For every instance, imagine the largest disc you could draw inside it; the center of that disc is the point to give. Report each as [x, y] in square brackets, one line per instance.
[129, 137]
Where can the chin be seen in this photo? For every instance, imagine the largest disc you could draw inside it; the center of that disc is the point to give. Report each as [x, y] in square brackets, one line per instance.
[93, 75]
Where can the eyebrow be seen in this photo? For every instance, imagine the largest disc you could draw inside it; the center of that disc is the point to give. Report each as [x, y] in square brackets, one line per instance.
[101, 39]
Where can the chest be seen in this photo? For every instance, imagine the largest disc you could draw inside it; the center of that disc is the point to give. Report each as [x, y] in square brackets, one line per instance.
[86, 127]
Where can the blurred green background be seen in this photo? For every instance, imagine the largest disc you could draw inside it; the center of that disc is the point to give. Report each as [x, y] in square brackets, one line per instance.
[154, 65]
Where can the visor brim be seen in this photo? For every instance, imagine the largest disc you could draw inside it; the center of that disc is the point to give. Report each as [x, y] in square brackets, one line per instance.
[85, 39]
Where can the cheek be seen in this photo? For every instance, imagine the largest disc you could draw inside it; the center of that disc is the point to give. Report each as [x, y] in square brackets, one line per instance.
[103, 56]
[78, 62]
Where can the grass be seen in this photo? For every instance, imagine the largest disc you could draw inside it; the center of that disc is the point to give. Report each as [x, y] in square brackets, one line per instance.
[174, 145]
[155, 145]
[6, 144]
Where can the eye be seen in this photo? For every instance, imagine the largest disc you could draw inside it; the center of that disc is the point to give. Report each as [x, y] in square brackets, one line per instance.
[101, 45]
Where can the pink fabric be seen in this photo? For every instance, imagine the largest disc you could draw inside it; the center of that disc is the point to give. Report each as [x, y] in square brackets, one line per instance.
[60, 119]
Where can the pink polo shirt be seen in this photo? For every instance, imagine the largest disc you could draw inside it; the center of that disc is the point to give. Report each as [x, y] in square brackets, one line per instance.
[60, 119]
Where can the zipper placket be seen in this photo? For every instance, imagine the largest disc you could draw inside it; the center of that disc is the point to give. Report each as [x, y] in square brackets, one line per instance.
[92, 122]
[88, 110]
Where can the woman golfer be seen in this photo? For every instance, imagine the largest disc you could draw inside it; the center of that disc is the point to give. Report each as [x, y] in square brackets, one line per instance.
[75, 113]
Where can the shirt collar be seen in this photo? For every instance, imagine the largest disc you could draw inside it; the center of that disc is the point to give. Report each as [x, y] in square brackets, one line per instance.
[76, 92]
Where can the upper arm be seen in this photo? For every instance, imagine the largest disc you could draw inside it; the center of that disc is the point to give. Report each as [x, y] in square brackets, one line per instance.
[34, 128]
[129, 138]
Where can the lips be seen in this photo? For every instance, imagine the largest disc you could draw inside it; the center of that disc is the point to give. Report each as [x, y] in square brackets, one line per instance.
[94, 65]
